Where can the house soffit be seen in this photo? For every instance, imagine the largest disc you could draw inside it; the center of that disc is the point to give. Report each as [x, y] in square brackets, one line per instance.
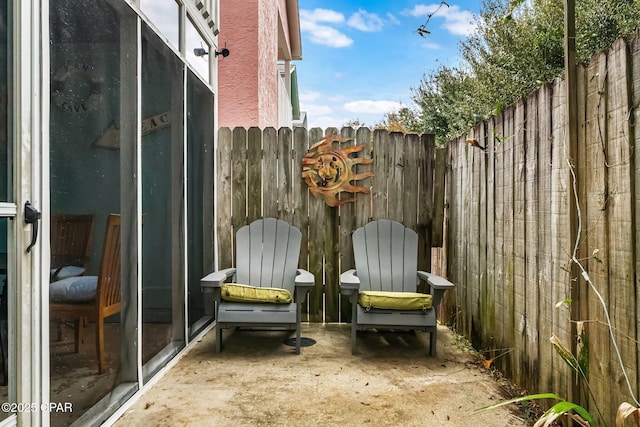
[293, 20]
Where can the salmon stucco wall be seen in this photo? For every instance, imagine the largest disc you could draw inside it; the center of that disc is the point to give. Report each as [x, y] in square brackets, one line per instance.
[238, 73]
[268, 64]
[248, 77]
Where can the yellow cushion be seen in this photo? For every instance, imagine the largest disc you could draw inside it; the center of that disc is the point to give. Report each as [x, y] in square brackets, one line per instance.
[242, 293]
[394, 300]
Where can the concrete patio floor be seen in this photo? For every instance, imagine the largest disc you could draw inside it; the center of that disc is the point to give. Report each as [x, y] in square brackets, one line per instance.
[258, 380]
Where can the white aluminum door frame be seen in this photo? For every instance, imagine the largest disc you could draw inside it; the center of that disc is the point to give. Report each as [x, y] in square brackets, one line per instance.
[29, 127]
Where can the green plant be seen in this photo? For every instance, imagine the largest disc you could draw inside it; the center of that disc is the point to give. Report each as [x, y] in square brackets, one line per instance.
[529, 409]
[562, 407]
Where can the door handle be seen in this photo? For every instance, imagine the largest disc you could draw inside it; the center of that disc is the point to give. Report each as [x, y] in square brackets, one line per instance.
[31, 216]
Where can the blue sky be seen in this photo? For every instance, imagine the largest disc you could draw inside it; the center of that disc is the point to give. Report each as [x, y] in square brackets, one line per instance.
[361, 58]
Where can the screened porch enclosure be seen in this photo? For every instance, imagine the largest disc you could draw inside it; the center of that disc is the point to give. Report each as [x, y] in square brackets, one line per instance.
[131, 134]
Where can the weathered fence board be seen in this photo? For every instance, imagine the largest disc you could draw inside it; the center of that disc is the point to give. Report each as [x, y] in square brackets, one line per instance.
[596, 225]
[284, 186]
[532, 295]
[381, 167]
[508, 241]
[471, 261]
[489, 298]
[254, 176]
[300, 196]
[409, 148]
[519, 239]
[635, 141]
[498, 243]
[348, 220]
[527, 242]
[457, 262]
[395, 178]
[363, 205]
[270, 166]
[321, 215]
[620, 184]
[482, 232]
[545, 300]
[453, 221]
[439, 170]
[224, 200]
[425, 157]
[561, 244]
[238, 183]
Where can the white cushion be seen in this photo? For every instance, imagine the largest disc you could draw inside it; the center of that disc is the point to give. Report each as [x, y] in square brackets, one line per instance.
[74, 289]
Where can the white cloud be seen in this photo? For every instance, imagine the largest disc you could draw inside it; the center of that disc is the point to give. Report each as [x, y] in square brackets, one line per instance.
[321, 15]
[456, 21]
[325, 110]
[392, 19]
[422, 10]
[432, 46]
[318, 103]
[327, 121]
[459, 22]
[322, 115]
[309, 95]
[323, 34]
[316, 109]
[365, 21]
[372, 107]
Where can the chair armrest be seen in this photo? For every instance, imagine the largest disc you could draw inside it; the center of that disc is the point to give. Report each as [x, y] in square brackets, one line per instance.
[434, 281]
[438, 285]
[349, 282]
[217, 278]
[304, 282]
[211, 285]
[304, 278]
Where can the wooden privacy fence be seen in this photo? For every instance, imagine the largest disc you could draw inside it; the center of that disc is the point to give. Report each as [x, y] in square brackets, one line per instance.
[508, 233]
[259, 174]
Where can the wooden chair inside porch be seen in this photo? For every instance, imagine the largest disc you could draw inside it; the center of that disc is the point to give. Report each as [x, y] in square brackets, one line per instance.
[71, 238]
[108, 295]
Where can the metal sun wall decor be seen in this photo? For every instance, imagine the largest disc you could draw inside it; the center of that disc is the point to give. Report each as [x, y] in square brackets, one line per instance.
[328, 170]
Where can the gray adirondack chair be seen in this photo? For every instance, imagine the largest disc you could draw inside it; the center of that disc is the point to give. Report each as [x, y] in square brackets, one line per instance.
[386, 254]
[267, 252]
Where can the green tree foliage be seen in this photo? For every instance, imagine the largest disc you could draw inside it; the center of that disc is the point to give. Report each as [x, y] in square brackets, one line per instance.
[403, 120]
[448, 102]
[517, 47]
[510, 57]
[354, 123]
[599, 23]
